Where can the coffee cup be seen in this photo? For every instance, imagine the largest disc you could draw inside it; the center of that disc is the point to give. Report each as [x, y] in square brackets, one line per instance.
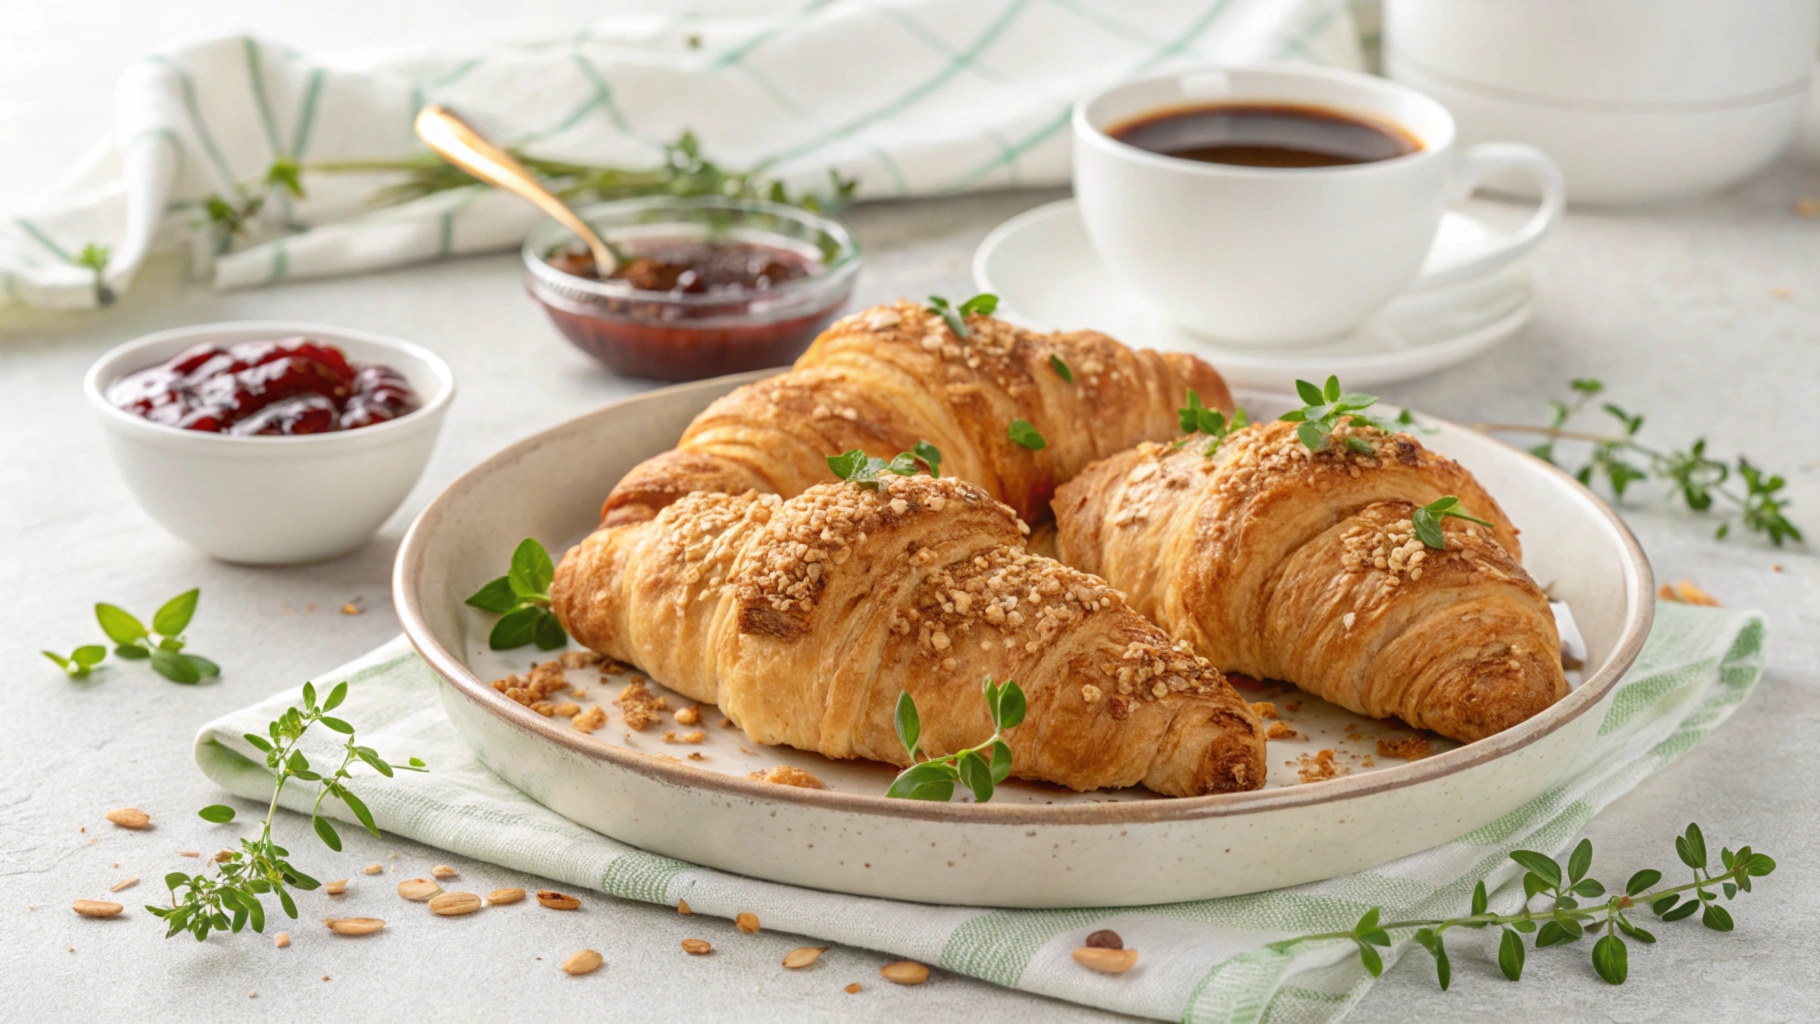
[1280, 205]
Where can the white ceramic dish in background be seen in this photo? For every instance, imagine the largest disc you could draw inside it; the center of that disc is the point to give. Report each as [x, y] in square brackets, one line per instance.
[1032, 846]
[1638, 101]
[272, 500]
[1047, 275]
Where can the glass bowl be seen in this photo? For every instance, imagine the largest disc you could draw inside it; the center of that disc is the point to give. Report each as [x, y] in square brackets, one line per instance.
[676, 335]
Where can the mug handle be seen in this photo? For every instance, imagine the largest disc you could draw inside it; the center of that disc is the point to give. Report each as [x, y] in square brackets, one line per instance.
[1481, 162]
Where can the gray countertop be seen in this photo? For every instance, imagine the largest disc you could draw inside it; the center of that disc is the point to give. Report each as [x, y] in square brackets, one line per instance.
[1705, 317]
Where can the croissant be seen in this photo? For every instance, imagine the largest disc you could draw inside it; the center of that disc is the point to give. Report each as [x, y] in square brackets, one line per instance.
[883, 379]
[1284, 563]
[803, 619]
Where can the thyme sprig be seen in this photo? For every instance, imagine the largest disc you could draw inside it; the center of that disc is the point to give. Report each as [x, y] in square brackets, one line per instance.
[982, 767]
[228, 897]
[1196, 418]
[1561, 919]
[95, 258]
[1328, 405]
[1695, 477]
[956, 316]
[521, 599]
[856, 467]
[1427, 520]
[227, 217]
[162, 644]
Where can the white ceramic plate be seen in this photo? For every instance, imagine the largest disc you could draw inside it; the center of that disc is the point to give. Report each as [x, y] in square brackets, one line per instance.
[1032, 846]
[1046, 274]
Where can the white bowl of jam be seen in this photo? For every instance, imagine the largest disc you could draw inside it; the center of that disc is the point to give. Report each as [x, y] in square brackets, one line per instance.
[270, 443]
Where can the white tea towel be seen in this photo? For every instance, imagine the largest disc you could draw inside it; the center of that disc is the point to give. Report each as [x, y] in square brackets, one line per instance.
[1697, 666]
[908, 97]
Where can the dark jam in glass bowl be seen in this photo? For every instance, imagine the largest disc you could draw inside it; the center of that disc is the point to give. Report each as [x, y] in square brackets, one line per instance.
[680, 308]
[293, 386]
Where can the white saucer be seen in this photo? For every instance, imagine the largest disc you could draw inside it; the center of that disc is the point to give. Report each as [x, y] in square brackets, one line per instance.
[1047, 275]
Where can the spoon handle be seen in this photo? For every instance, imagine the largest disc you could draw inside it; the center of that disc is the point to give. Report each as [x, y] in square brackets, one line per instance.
[458, 143]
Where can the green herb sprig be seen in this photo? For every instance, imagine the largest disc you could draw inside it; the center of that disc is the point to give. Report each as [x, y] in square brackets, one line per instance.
[162, 644]
[1328, 405]
[981, 767]
[983, 304]
[95, 258]
[226, 217]
[521, 598]
[1695, 477]
[856, 467]
[1024, 435]
[1061, 368]
[1561, 919]
[1196, 418]
[81, 661]
[229, 898]
[1427, 520]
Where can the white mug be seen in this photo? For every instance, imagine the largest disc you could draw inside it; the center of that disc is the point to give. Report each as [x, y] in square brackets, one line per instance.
[1284, 256]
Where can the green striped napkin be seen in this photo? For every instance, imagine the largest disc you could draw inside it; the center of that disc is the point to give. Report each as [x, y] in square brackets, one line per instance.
[1202, 961]
[908, 97]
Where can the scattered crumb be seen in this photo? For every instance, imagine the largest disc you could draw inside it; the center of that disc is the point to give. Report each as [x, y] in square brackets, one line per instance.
[567, 709]
[695, 736]
[578, 693]
[1293, 706]
[578, 659]
[682, 907]
[1369, 761]
[726, 723]
[442, 871]
[281, 940]
[639, 705]
[1279, 731]
[1686, 592]
[850, 989]
[124, 883]
[746, 921]
[696, 755]
[127, 817]
[352, 607]
[1781, 293]
[1413, 747]
[1319, 766]
[789, 775]
[372, 869]
[544, 708]
[689, 715]
[1243, 682]
[1773, 567]
[337, 887]
[188, 853]
[590, 720]
[697, 947]
[1807, 206]
[1264, 709]
[540, 683]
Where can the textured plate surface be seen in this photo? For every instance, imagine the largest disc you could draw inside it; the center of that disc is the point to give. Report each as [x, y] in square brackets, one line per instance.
[1033, 845]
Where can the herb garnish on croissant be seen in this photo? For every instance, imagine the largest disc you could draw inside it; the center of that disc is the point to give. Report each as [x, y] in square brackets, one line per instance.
[883, 379]
[1282, 562]
[804, 619]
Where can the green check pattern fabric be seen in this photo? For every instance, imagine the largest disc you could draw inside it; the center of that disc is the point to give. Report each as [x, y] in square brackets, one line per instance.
[908, 97]
[1206, 961]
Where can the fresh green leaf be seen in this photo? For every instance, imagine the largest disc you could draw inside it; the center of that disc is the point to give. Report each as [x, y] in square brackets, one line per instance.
[532, 571]
[1641, 881]
[1539, 864]
[983, 304]
[928, 455]
[1611, 959]
[515, 629]
[1581, 859]
[337, 724]
[1633, 931]
[1684, 910]
[120, 627]
[220, 814]
[977, 774]
[360, 810]
[931, 780]
[550, 634]
[955, 321]
[1001, 761]
[909, 723]
[132, 652]
[1696, 846]
[1716, 917]
[175, 614]
[202, 665]
[1309, 392]
[1374, 964]
[496, 597]
[1431, 940]
[174, 666]
[1061, 369]
[1480, 900]
[336, 696]
[1025, 435]
[1012, 706]
[326, 832]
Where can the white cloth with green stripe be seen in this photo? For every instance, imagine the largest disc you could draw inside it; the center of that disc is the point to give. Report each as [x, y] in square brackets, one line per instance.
[908, 97]
[1202, 961]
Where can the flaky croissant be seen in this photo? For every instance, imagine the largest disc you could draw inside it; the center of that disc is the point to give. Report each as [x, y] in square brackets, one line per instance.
[883, 379]
[804, 618]
[1283, 563]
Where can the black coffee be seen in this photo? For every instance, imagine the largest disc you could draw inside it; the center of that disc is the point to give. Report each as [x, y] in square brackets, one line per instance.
[1265, 135]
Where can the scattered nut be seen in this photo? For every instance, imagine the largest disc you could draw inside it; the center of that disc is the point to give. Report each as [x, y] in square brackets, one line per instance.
[418, 889]
[124, 883]
[802, 957]
[689, 715]
[1106, 961]
[501, 897]
[354, 925]
[697, 947]
[682, 907]
[442, 871]
[129, 817]
[567, 709]
[96, 908]
[188, 853]
[583, 961]
[455, 904]
[1105, 938]
[281, 940]
[747, 922]
[350, 609]
[336, 888]
[557, 901]
[371, 869]
[850, 989]
[222, 857]
[905, 972]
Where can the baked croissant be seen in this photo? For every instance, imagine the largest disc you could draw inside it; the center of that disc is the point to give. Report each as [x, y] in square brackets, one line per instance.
[803, 619]
[1283, 563]
[883, 379]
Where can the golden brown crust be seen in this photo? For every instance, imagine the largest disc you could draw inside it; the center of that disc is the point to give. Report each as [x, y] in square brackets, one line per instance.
[1282, 563]
[804, 619]
[883, 379]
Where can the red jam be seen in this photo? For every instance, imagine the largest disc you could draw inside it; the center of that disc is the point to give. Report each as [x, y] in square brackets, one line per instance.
[288, 387]
[695, 309]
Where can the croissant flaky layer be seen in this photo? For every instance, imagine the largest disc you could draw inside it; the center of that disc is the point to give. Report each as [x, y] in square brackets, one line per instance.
[1284, 563]
[805, 618]
[883, 379]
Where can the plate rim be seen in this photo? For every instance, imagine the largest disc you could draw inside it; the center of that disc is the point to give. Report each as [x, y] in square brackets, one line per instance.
[1458, 348]
[452, 670]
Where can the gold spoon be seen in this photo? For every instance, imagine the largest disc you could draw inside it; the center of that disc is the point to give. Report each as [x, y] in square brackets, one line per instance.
[461, 145]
